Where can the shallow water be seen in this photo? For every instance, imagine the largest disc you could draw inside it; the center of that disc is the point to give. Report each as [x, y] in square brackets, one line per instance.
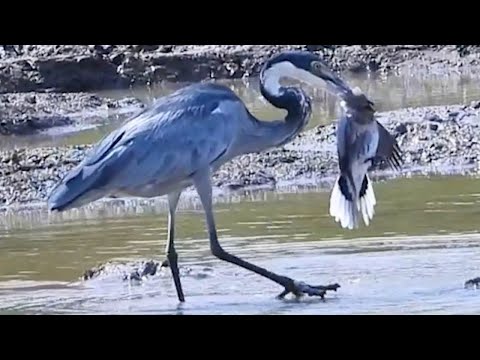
[414, 258]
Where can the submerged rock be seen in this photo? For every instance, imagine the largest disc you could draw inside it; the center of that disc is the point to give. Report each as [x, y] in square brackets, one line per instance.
[473, 283]
[136, 272]
[142, 270]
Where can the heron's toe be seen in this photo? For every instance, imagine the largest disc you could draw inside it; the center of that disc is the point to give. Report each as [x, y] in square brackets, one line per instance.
[299, 289]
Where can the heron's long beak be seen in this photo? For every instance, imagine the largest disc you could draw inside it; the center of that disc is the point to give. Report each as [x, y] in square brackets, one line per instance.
[335, 85]
[338, 87]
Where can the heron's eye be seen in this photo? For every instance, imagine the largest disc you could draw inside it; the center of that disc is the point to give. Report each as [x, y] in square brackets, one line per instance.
[317, 66]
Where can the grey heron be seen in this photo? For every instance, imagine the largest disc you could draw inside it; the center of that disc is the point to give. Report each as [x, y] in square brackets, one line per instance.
[362, 142]
[183, 138]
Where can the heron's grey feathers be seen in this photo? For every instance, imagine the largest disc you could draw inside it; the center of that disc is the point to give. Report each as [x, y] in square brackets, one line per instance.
[148, 152]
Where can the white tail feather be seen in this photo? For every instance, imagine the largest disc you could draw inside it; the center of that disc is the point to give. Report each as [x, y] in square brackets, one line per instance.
[347, 213]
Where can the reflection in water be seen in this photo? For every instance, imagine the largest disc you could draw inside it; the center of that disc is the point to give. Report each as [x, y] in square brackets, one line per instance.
[415, 257]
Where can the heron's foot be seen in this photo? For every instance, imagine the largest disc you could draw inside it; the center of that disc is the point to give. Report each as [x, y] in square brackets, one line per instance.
[150, 268]
[473, 283]
[300, 289]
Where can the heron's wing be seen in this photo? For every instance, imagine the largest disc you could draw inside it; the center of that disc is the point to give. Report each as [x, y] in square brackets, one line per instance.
[166, 147]
[388, 148]
[169, 142]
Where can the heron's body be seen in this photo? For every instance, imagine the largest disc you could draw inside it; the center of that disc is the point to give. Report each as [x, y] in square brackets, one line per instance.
[186, 136]
[158, 151]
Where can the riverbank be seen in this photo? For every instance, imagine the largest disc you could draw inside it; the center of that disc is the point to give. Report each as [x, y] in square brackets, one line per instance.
[439, 139]
[86, 68]
[46, 86]
[30, 113]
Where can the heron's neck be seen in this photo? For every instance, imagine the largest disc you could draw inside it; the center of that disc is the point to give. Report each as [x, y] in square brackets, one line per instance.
[269, 134]
[263, 135]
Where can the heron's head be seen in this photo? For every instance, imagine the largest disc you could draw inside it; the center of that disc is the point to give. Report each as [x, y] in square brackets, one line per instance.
[303, 66]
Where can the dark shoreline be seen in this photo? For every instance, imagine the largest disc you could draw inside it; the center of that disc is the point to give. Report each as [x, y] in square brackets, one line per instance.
[85, 68]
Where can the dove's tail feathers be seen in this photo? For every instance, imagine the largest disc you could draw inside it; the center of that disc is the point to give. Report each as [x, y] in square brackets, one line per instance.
[347, 207]
[367, 201]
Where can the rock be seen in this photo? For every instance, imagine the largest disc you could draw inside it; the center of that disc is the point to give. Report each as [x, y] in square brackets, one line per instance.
[103, 49]
[314, 47]
[373, 65]
[473, 283]
[146, 48]
[358, 67]
[475, 104]
[26, 125]
[31, 99]
[401, 129]
[435, 118]
[118, 59]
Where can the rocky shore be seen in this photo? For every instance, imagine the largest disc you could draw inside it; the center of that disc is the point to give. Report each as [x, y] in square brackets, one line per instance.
[82, 68]
[45, 86]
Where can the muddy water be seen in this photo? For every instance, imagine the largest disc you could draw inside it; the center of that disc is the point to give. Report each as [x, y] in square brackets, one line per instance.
[415, 257]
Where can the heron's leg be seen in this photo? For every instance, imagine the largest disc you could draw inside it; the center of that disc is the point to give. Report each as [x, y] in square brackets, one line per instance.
[172, 256]
[203, 185]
